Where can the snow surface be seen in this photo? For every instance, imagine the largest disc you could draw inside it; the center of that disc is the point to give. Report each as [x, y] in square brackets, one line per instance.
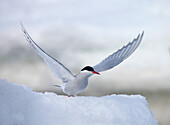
[19, 105]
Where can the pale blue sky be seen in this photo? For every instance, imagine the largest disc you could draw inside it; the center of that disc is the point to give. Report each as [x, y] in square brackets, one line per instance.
[82, 30]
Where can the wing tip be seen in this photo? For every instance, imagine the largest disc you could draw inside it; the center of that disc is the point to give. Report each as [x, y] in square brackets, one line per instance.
[141, 36]
[142, 33]
[22, 27]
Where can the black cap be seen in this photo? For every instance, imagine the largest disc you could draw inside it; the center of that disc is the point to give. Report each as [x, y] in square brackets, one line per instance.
[88, 68]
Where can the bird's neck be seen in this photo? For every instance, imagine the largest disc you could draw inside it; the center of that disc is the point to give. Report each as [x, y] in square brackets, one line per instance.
[84, 74]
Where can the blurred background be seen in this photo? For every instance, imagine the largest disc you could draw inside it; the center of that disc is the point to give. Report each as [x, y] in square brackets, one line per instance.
[83, 32]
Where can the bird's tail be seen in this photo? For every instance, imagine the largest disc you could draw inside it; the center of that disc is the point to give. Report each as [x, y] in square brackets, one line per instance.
[57, 85]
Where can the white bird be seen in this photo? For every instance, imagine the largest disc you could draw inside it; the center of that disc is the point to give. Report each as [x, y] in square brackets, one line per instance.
[74, 84]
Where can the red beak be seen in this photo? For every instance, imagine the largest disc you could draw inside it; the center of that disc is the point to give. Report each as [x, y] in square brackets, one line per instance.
[95, 72]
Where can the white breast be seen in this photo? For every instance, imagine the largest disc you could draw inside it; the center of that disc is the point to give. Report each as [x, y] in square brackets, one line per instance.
[78, 84]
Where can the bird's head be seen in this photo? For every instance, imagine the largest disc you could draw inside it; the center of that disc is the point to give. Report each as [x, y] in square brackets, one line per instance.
[89, 69]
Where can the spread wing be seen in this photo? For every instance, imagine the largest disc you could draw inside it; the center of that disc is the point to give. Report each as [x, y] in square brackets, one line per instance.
[120, 55]
[59, 70]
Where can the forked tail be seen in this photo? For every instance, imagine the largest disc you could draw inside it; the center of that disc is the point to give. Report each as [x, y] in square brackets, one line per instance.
[57, 85]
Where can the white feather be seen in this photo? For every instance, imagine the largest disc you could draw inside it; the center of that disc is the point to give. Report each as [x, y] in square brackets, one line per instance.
[59, 70]
[120, 55]
[76, 84]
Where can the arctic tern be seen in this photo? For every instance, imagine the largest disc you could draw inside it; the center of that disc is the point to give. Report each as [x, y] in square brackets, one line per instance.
[74, 84]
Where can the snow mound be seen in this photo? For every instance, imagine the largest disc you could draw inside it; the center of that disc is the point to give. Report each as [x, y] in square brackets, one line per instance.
[19, 105]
